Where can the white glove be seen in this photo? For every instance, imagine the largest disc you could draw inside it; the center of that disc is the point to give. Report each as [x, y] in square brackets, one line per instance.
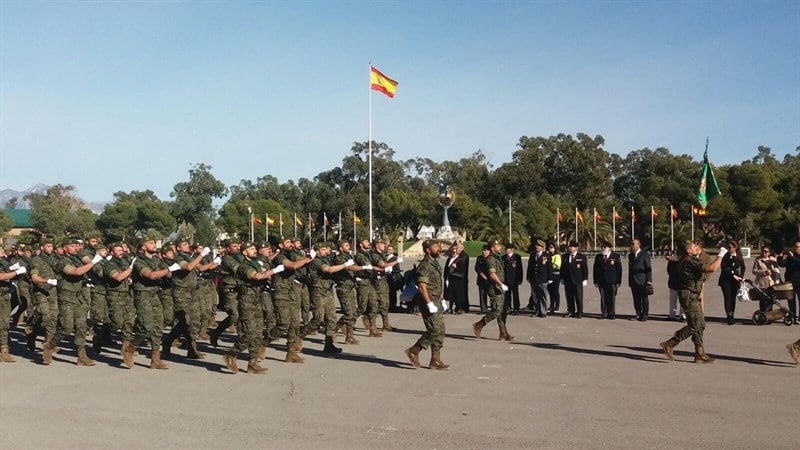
[550, 282]
[349, 263]
[14, 267]
[217, 260]
[261, 263]
[174, 267]
[722, 252]
[52, 282]
[96, 259]
[432, 308]
[312, 253]
[21, 270]
[205, 251]
[399, 259]
[388, 269]
[367, 267]
[585, 283]
[445, 305]
[133, 261]
[108, 258]
[504, 287]
[278, 269]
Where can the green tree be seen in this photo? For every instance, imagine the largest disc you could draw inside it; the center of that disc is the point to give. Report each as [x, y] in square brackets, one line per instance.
[193, 202]
[58, 212]
[131, 214]
[6, 223]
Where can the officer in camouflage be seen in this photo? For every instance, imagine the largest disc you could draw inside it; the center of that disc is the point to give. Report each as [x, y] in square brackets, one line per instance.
[345, 285]
[287, 297]
[367, 297]
[497, 288]
[429, 282]
[380, 280]
[45, 295]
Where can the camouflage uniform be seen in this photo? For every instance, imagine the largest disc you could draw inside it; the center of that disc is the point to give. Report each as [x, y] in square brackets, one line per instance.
[380, 282]
[429, 272]
[149, 315]
[322, 296]
[367, 297]
[251, 317]
[121, 310]
[497, 310]
[45, 298]
[5, 304]
[345, 283]
[72, 305]
[691, 272]
[228, 293]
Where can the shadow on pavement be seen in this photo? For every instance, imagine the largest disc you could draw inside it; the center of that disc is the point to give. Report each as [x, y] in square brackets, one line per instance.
[690, 355]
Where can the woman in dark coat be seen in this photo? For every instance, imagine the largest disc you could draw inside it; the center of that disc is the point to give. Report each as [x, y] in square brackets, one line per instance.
[730, 277]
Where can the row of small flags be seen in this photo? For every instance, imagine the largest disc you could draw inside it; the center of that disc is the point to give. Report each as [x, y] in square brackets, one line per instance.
[297, 221]
[696, 211]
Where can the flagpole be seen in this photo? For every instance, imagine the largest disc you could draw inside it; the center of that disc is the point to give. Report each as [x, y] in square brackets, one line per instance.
[340, 225]
[309, 230]
[633, 224]
[558, 230]
[355, 235]
[692, 222]
[324, 227]
[266, 236]
[370, 151]
[595, 229]
[295, 224]
[250, 217]
[614, 227]
[280, 223]
[576, 225]
[652, 229]
[509, 220]
[671, 228]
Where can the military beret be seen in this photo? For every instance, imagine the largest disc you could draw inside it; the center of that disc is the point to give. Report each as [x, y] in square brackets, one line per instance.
[46, 241]
[233, 241]
[92, 235]
[378, 241]
[262, 244]
[20, 246]
[198, 245]
[428, 243]
[182, 240]
[486, 247]
[342, 242]
[166, 248]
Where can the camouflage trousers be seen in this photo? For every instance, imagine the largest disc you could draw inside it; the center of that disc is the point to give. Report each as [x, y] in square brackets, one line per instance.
[306, 305]
[268, 312]
[367, 300]
[149, 319]
[207, 296]
[5, 312]
[72, 315]
[185, 299]
[231, 303]
[45, 312]
[122, 312]
[695, 319]
[287, 314]
[99, 311]
[497, 310]
[347, 298]
[251, 324]
[167, 306]
[433, 336]
[324, 311]
[382, 292]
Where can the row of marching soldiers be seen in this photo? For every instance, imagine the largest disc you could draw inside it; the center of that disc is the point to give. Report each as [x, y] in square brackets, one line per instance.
[138, 294]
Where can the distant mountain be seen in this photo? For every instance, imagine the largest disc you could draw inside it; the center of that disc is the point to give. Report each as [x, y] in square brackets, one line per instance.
[8, 194]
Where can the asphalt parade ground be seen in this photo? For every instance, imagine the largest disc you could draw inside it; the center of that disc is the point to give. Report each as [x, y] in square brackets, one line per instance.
[564, 383]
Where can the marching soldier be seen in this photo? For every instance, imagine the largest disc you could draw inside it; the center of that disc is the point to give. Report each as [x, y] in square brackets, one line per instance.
[228, 289]
[287, 298]
[380, 280]
[345, 285]
[322, 274]
[367, 297]
[497, 288]
[429, 281]
[7, 273]
[121, 310]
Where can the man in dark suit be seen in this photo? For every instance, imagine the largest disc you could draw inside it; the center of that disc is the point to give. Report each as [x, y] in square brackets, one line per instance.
[791, 261]
[512, 264]
[575, 273]
[640, 274]
[540, 274]
[607, 276]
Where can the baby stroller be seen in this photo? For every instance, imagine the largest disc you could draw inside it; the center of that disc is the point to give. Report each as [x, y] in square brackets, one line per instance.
[769, 299]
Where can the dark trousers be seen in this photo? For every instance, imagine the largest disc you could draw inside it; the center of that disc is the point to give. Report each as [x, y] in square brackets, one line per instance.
[483, 297]
[729, 290]
[539, 296]
[512, 297]
[180, 328]
[608, 296]
[574, 295]
[392, 299]
[641, 301]
[555, 295]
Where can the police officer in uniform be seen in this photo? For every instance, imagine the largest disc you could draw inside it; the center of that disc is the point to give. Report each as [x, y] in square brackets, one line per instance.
[429, 282]
[575, 274]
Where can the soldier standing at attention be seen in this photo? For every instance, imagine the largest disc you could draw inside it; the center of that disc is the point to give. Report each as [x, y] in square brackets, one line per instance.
[380, 281]
[147, 273]
[540, 275]
[7, 273]
[345, 285]
[229, 289]
[121, 310]
[252, 277]
[691, 273]
[287, 300]
[45, 296]
[429, 281]
[72, 306]
[367, 297]
[497, 288]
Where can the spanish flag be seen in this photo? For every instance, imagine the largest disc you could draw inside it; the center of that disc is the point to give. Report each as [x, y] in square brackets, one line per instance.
[297, 220]
[654, 212]
[382, 83]
[356, 219]
[597, 216]
[257, 220]
[617, 216]
[579, 215]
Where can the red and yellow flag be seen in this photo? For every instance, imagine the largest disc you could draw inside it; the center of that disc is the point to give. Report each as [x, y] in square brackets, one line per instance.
[579, 215]
[257, 220]
[356, 219]
[559, 216]
[617, 216]
[381, 83]
[674, 213]
[654, 212]
[270, 220]
[597, 216]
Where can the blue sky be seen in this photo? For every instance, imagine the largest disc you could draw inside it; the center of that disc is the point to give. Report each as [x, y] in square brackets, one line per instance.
[111, 96]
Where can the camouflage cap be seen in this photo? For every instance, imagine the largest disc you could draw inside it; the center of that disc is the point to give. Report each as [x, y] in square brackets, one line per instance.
[342, 242]
[492, 243]
[70, 241]
[246, 245]
[320, 245]
[378, 241]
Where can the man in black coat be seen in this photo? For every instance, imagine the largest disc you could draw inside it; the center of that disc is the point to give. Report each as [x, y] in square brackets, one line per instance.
[791, 261]
[607, 276]
[575, 273]
[512, 264]
[640, 275]
[540, 273]
[456, 276]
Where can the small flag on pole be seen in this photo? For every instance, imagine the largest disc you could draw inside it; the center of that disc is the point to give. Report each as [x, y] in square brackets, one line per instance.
[654, 212]
[708, 183]
[674, 213]
[356, 219]
[597, 216]
[257, 220]
[381, 83]
[617, 216]
[559, 216]
[578, 215]
[325, 220]
[270, 220]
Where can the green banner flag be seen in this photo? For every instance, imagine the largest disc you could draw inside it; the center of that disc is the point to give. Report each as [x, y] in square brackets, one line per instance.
[708, 184]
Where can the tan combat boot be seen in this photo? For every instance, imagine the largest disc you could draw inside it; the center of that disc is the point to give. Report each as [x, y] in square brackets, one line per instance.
[348, 336]
[230, 363]
[365, 321]
[386, 326]
[477, 327]
[48, 350]
[436, 363]
[292, 355]
[262, 352]
[84, 360]
[253, 367]
[700, 356]
[5, 356]
[193, 353]
[413, 355]
[373, 331]
[127, 353]
[668, 345]
[155, 361]
[794, 351]
[504, 336]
